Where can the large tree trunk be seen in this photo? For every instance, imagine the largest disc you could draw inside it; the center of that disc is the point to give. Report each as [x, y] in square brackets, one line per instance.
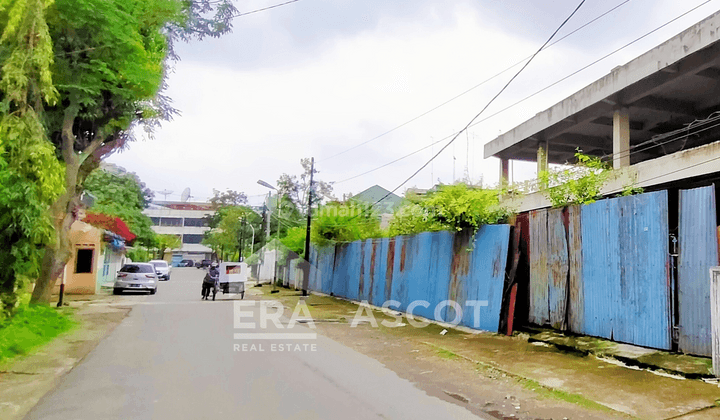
[58, 253]
[63, 213]
[8, 297]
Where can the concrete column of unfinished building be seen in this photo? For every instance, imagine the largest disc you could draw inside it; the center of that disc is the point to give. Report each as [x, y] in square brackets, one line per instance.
[621, 138]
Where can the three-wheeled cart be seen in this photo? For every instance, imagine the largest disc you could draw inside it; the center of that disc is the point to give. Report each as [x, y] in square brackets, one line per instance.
[233, 276]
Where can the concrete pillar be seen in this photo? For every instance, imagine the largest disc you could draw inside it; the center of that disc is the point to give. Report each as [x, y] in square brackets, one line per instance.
[621, 138]
[542, 158]
[504, 171]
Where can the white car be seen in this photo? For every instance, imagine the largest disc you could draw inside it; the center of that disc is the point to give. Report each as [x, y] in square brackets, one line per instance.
[162, 269]
[136, 276]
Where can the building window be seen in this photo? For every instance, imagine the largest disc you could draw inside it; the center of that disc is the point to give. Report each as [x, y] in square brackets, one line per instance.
[155, 221]
[192, 239]
[171, 221]
[197, 222]
[84, 261]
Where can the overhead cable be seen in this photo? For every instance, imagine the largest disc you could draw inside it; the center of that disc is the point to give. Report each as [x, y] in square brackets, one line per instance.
[546, 87]
[488, 104]
[263, 9]
[474, 87]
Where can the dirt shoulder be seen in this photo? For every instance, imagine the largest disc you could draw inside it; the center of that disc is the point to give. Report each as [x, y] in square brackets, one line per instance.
[507, 377]
[25, 380]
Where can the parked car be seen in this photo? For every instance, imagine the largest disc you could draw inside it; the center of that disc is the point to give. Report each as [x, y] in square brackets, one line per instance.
[187, 263]
[203, 264]
[136, 277]
[162, 269]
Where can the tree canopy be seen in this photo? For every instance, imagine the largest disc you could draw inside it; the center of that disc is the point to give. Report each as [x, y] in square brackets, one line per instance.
[296, 188]
[83, 74]
[344, 222]
[123, 196]
[31, 178]
[232, 228]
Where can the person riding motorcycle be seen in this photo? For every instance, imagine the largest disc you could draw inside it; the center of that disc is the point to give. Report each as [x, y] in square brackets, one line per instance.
[210, 281]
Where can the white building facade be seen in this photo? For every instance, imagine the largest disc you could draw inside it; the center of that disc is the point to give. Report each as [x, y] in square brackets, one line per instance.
[189, 221]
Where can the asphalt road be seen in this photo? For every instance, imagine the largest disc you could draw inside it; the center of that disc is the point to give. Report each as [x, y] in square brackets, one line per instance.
[178, 357]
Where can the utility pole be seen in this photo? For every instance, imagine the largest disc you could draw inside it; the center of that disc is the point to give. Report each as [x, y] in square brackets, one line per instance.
[240, 248]
[306, 257]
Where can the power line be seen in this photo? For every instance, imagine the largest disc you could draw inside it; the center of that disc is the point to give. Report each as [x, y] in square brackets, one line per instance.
[474, 87]
[488, 104]
[396, 160]
[546, 87]
[263, 9]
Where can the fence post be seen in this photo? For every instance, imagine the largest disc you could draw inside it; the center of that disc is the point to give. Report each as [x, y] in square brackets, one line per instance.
[715, 318]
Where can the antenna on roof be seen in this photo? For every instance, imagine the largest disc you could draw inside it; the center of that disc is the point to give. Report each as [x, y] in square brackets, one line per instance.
[165, 193]
[185, 196]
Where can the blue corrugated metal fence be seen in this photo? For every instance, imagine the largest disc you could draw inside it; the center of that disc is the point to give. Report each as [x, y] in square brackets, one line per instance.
[427, 269]
[697, 252]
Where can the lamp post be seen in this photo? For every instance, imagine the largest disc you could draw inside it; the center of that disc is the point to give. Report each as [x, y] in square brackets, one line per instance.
[277, 239]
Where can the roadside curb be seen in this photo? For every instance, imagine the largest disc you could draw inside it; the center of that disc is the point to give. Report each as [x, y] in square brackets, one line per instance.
[685, 366]
[492, 367]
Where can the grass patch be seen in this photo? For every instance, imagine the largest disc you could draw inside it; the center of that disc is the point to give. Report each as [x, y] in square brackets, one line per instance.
[446, 354]
[556, 394]
[31, 327]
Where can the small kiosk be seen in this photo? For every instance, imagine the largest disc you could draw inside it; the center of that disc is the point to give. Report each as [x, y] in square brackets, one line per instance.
[233, 276]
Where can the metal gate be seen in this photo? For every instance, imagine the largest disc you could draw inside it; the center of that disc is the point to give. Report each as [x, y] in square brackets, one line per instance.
[697, 252]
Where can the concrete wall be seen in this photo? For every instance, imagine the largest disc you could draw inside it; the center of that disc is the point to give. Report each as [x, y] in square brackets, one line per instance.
[677, 166]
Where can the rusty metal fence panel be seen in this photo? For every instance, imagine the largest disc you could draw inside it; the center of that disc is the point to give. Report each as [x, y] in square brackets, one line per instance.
[481, 298]
[429, 267]
[601, 268]
[378, 271]
[575, 251]
[538, 288]
[698, 251]
[558, 269]
[549, 268]
[625, 282]
[434, 287]
[321, 269]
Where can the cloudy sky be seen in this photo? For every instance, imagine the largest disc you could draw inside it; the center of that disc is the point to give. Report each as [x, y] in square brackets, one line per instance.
[318, 77]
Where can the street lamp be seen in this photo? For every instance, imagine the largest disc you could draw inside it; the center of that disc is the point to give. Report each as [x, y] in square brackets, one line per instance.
[277, 239]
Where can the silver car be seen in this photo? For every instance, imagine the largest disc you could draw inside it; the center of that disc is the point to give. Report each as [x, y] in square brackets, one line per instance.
[162, 269]
[136, 277]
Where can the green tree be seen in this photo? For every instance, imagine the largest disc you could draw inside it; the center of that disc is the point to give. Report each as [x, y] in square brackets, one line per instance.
[580, 184]
[232, 228]
[30, 176]
[296, 188]
[411, 219]
[110, 65]
[456, 207]
[122, 196]
[165, 242]
[228, 198]
[295, 239]
[460, 207]
[344, 222]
